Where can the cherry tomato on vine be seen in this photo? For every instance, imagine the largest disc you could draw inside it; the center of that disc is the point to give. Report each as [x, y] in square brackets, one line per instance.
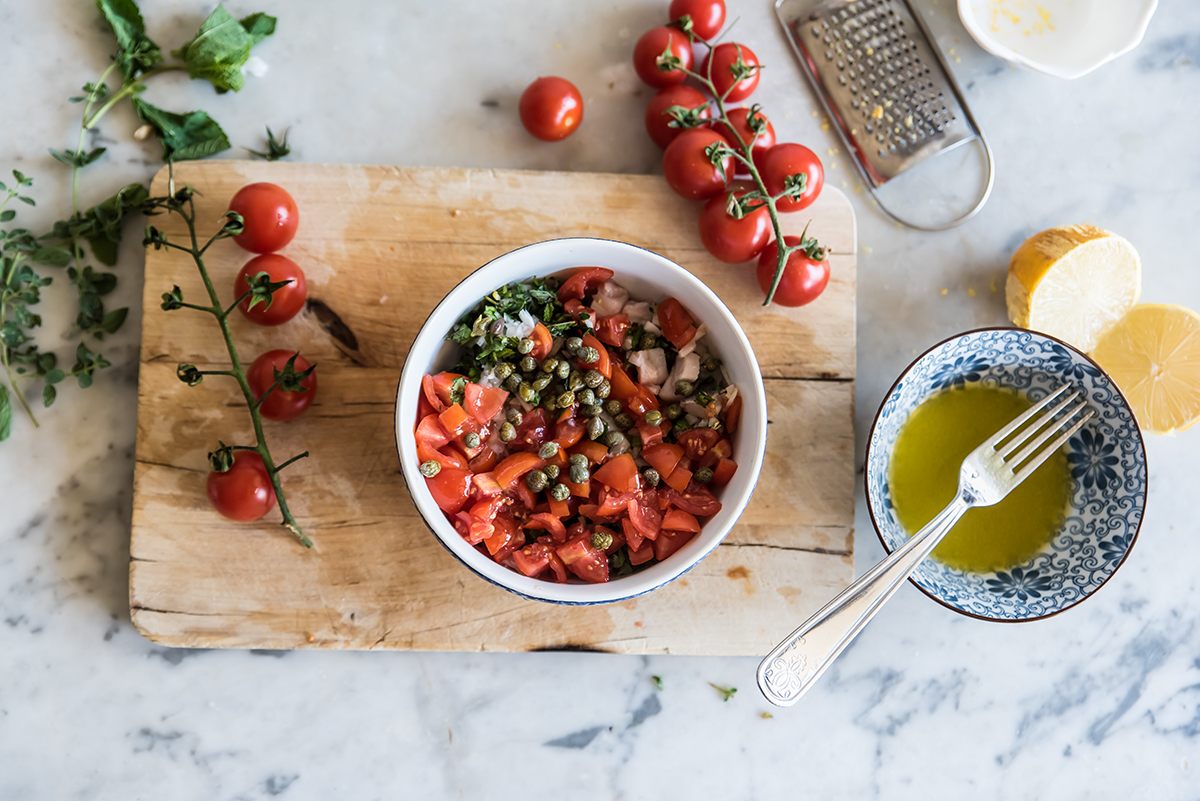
[688, 169]
[708, 16]
[286, 302]
[721, 59]
[243, 492]
[739, 117]
[281, 405]
[729, 239]
[791, 159]
[804, 276]
[652, 45]
[269, 214]
[658, 122]
[551, 108]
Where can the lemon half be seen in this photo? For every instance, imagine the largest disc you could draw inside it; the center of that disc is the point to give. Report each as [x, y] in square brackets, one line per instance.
[1154, 356]
[1073, 282]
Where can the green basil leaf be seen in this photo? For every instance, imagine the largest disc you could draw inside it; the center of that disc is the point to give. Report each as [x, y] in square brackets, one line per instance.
[259, 26]
[137, 52]
[219, 50]
[5, 414]
[193, 135]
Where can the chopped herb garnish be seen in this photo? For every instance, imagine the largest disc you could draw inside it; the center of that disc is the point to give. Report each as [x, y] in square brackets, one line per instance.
[727, 692]
[657, 681]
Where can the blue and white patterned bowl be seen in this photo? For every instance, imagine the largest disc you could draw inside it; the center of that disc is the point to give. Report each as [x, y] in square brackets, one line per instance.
[1108, 467]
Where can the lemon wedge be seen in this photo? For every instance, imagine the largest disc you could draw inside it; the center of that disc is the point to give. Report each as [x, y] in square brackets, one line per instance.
[1154, 356]
[1073, 282]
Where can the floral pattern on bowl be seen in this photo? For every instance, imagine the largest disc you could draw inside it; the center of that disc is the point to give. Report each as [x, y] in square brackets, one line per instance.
[1108, 469]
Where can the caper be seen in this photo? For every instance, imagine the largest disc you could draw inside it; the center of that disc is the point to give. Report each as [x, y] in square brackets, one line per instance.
[602, 540]
[651, 476]
[566, 400]
[578, 459]
[471, 440]
[683, 388]
[548, 451]
[589, 355]
[593, 378]
[674, 411]
[542, 382]
[514, 416]
[536, 480]
[564, 370]
[525, 345]
[711, 364]
[550, 365]
[682, 425]
[551, 471]
[579, 474]
[575, 381]
[634, 440]
[560, 492]
[504, 370]
[591, 409]
[528, 364]
[649, 341]
[508, 432]
[585, 397]
[527, 393]
[550, 402]
[614, 439]
[431, 468]
[704, 475]
[595, 428]
[512, 383]
[613, 407]
[572, 345]
[653, 417]
[604, 389]
[623, 420]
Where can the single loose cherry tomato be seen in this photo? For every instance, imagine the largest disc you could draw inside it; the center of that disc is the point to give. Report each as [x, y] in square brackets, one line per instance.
[269, 215]
[281, 405]
[804, 278]
[286, 302]
[551, 108]
[740, 119]
[658, 121]
[688, 168]
[653, 44]
[243, 492]
[707, 16]
[788, 159]
[730, 239]
[718, 67]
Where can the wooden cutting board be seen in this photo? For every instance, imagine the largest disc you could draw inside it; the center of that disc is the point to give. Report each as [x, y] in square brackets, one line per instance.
[380, 247]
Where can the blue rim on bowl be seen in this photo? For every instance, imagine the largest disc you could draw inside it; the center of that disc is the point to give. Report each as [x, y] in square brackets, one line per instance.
[1107, 458]
[634, 269]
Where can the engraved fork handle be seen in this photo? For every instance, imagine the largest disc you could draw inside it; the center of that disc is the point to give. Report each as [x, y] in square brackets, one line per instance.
[784, 677]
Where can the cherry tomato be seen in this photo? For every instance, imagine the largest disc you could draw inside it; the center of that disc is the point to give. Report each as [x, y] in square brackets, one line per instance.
[243, 492]
[695, 498]
[688, 169]
[739, 117]
[551, 108]
[791, 159]
[804, 278]
[708, 16]
[269, 214]
[286, 302]
[729, 239]
[450, 489]
[658, 121]
[652, 45]
[281, 405]
[720, 60]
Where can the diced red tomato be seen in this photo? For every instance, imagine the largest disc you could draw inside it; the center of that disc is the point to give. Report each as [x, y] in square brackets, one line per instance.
[663, 458]
[676, 323]
[632, 535]
[592, 512]
[577, 310]
[723, 472]
[733, 415]
[622, 385]
[577, 490]
[643, 400]
[486, 485]
[524, 495]
[651, 435]
[549, 522]
[620, 473]
[484, 403]
[431, 431]
[514, 467]
[455, 420]
[424, 407]
[589, 563]
[697, 441]
[532, 433]
[485, 461]
[543, 343]
[583, 280]
[561, 509]
[645, 516]
[611, 329]
[722, 450]
[613, 502]
[447, 458]
[594, 451]
[533, 559]
[483, 515]
[641, 555]
[669, 542]
[568, 432]
[697, 499]
[604, 365]
[679, 479]
[450, 489]
[442, 383]
[618, 539]
[429, 391]
[504, 534]
[679, 520]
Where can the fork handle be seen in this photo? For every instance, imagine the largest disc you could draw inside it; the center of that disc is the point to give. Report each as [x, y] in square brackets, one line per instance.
[784, 677]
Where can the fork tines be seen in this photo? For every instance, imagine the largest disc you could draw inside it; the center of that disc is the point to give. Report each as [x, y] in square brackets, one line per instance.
[1044, 426]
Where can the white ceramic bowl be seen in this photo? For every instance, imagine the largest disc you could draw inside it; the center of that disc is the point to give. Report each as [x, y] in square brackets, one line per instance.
[1063, 38]
[647, 276]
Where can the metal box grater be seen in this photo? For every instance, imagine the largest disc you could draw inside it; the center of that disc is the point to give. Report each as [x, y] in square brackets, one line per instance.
[885, 86]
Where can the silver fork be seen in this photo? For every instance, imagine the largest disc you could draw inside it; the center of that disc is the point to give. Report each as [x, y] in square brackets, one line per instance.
[988, 474]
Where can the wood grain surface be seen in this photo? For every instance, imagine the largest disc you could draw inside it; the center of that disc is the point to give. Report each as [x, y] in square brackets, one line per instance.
[380, 246]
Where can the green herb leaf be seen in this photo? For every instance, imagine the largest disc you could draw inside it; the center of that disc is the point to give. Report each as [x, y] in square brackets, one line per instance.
[727, 692]
[193, 135]
[222, 46]
[657, 681]
[113, 320]
[5, 414]
[137, 52]
[259, 26]
[52, 257]
[7, 215]
[49, 393]
[100, 226]
[275, 150]
[54, 376]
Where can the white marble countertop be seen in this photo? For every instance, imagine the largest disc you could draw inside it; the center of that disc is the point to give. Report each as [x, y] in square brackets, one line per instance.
[1101, 702]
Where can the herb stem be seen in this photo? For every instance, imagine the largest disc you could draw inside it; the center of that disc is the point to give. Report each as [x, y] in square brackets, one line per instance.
[129, 88]
[4, 357]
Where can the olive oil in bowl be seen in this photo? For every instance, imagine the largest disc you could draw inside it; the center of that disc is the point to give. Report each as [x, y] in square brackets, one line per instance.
[923, 479]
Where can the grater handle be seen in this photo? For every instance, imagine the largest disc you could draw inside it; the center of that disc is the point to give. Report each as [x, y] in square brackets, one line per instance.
[983, 198]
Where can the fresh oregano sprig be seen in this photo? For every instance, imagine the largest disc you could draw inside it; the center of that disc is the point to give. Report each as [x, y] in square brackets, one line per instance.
[288, 379]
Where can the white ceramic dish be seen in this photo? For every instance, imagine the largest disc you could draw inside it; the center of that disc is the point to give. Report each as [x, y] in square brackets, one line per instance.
[647, 276]
[1063, 38]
